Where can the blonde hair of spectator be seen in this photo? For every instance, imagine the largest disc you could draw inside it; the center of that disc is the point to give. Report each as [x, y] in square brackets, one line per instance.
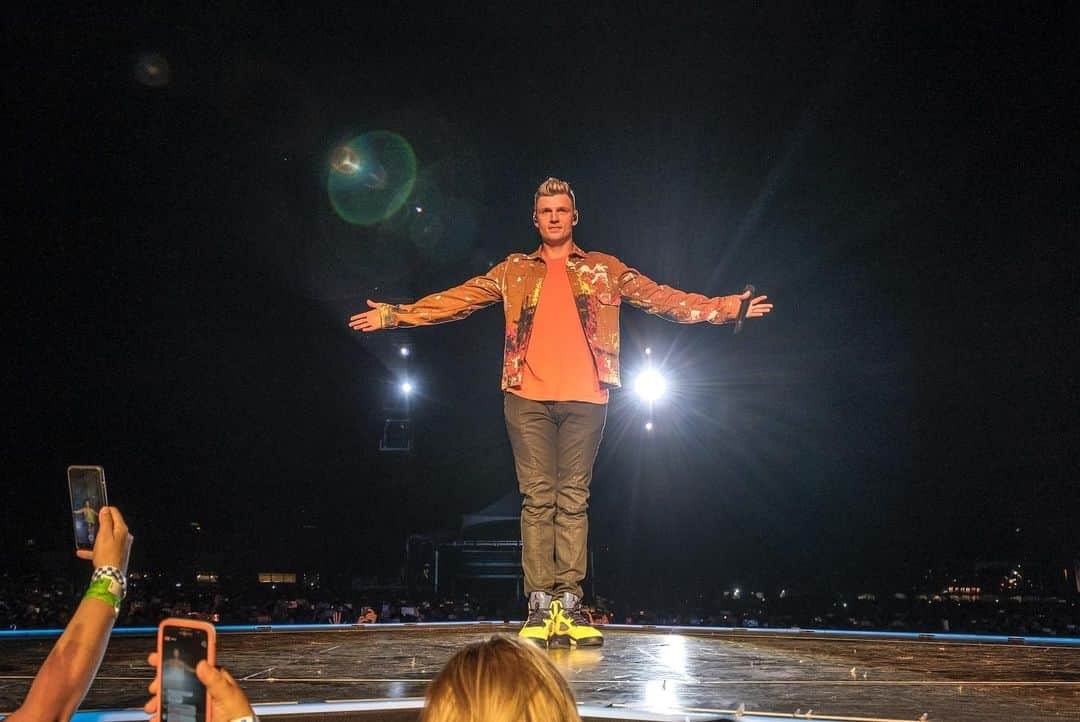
[555, 187]
[500, 680]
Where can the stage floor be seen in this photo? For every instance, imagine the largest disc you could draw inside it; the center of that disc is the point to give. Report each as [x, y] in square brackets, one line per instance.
[786, 673]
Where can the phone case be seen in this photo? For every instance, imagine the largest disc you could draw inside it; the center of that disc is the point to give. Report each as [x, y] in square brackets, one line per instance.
[211, 644]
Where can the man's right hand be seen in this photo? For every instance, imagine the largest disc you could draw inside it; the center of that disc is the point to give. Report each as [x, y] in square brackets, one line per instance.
[113, 543]
[367, 321]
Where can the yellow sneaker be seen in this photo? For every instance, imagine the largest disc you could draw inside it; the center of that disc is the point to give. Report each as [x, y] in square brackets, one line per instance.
[569, 625]
[537, 627]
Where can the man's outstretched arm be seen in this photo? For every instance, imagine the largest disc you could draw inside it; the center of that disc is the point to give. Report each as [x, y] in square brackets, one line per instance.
[452, 304]
[640, 291]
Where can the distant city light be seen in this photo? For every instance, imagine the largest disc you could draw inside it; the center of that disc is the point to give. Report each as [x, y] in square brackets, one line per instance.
[650, 385]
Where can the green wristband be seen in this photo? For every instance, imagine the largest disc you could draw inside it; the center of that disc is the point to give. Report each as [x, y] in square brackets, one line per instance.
[100, 589]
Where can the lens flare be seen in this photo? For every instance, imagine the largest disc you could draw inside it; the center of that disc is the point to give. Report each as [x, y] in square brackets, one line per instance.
[371, 177]
[345, 161]
[152, 70]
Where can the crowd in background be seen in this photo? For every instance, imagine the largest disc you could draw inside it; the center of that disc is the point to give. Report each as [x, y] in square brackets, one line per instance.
[36, 602]
[501, 677]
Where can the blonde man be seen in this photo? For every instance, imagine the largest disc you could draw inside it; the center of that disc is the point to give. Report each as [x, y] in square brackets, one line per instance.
[560, 358]
[498, 680]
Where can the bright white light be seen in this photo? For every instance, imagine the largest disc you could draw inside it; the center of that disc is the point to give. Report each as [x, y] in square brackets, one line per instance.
[648, 351]
[405, 351]
[406, 387]
[648, 426]
[650, 385]
[661, 695]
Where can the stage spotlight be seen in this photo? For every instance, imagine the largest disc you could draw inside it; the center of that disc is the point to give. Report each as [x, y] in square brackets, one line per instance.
[405, 351]
[648, 351]
[406, 387]
[650, 385]
[648, 426]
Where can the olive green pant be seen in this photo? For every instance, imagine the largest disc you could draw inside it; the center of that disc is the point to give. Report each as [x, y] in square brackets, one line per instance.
[555, 444]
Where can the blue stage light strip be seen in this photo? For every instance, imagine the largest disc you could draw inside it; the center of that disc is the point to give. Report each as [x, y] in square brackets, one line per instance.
[338, 707]
[240, 628]
[911, 636]
[625, 713]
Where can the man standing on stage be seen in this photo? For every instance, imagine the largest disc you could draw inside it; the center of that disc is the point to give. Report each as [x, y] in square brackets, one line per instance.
[561, 355]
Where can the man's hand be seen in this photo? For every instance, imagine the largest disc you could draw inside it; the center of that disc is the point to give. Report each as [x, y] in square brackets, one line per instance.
[758, 307]
[229, 700]
[367, 321]
[112, 546]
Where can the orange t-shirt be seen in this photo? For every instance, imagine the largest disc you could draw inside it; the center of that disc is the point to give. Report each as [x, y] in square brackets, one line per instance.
[558, 363]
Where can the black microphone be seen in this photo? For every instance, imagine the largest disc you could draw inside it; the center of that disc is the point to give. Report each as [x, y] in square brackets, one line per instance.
[743, 308]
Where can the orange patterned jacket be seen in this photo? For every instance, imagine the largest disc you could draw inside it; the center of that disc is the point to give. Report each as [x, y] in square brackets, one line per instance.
[600, 282]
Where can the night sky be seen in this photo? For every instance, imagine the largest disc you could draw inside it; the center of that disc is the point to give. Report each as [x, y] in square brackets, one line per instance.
[899, 181]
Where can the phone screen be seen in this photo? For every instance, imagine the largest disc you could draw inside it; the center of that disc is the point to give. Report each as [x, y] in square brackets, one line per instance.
[86, 486]
[183, 696]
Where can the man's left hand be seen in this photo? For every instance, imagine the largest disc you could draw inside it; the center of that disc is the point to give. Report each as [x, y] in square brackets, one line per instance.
[757, 307]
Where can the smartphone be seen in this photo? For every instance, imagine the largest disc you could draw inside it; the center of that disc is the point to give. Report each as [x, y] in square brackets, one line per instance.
[86, 487]
[181, 644]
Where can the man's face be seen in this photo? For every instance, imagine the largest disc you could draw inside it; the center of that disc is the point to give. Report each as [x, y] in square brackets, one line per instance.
[555, 218]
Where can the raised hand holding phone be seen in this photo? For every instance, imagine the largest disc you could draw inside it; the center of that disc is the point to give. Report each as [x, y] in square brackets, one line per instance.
[182, 645]
[66, 674]
[112, 548]
[192, 688]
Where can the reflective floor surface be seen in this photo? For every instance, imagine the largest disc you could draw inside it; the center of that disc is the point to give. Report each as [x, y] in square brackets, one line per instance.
[654, 669]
